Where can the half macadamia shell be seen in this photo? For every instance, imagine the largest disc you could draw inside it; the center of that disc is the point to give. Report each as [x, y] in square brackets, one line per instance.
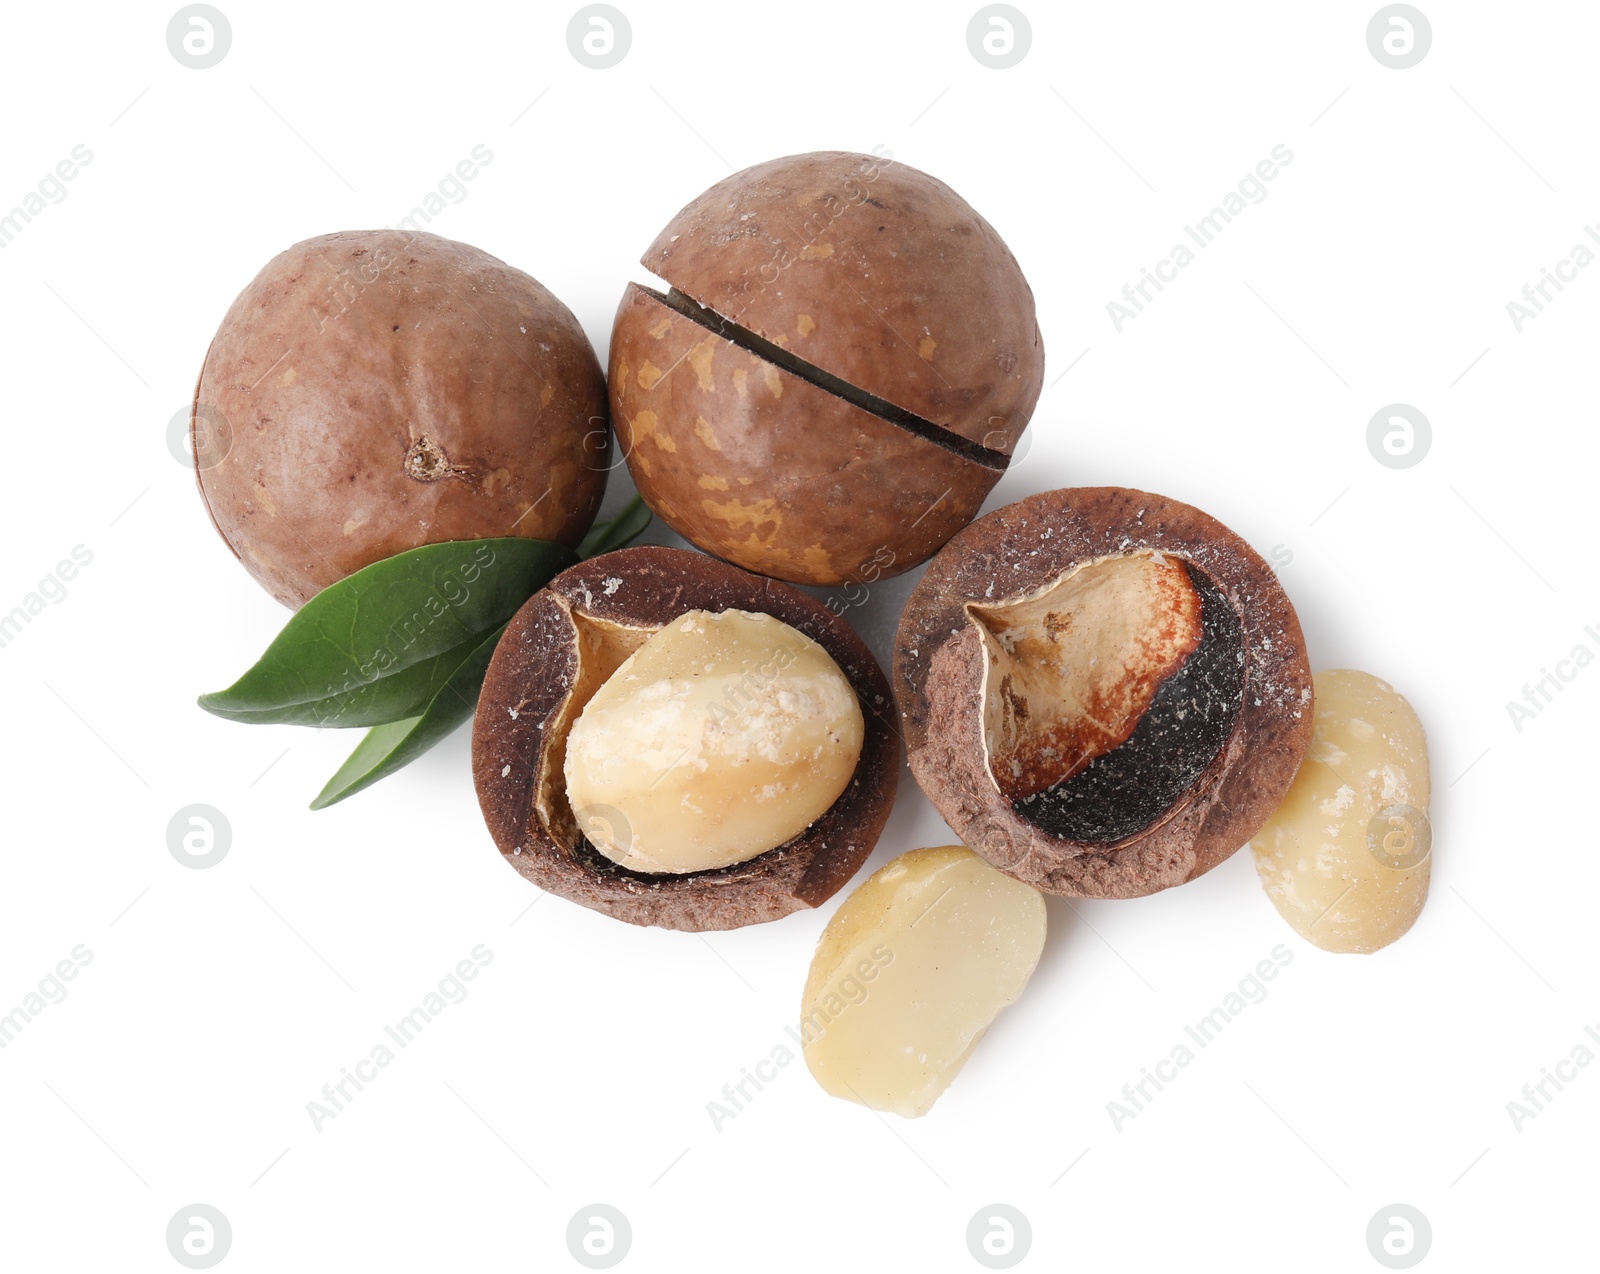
[1182, 756]
[560, 647]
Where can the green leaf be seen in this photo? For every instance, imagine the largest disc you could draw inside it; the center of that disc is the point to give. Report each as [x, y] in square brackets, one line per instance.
[615, 532]
[390, 745]
[394, 744]
[380, 645]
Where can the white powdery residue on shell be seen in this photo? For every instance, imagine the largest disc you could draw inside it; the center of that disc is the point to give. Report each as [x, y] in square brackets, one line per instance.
[611, 584]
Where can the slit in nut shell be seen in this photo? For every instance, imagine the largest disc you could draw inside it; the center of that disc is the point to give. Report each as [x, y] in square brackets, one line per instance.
[841, 366]
[672, 741]
[1105, 691]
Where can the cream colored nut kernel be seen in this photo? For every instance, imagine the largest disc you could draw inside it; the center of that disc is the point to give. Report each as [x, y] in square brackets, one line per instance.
[911, 971]
[1073, 668]
[723, 736]
[1346, 857]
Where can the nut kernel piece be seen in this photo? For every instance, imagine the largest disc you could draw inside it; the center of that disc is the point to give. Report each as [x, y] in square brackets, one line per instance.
[909, 974]
[1346, 857]
[1073, 668]
[723, 736]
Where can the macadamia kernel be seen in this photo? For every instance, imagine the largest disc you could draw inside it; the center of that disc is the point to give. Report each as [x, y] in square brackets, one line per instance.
[723, 736]
[909, 974]
[1345, 859]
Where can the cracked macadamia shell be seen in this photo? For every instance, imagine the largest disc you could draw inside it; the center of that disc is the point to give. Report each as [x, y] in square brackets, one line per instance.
[373, 391]
[563, 645]
[844, 363]
[875, 273]
[1104, 692]
[753, 463]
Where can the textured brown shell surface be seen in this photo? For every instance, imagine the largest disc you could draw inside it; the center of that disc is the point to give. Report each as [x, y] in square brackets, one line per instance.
[769, 471]
[874, 272]
[348, 349]
[938, 676]
[532, 671]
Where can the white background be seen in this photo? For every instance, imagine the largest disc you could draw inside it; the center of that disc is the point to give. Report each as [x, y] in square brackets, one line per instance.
[219, 1002]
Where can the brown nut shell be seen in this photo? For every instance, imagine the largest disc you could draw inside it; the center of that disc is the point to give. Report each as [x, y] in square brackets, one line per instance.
[372, 391]
[877, 274]
[1251, 634]
[536, 685]
[767, 470]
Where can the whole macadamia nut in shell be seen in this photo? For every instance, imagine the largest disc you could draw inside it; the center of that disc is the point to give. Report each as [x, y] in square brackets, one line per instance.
[373, 391]
[845, 360]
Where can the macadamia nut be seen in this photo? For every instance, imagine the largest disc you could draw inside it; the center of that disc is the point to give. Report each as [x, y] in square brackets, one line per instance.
[1346, 857]
[909, 974]
[723, 736]
[1102, 690]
